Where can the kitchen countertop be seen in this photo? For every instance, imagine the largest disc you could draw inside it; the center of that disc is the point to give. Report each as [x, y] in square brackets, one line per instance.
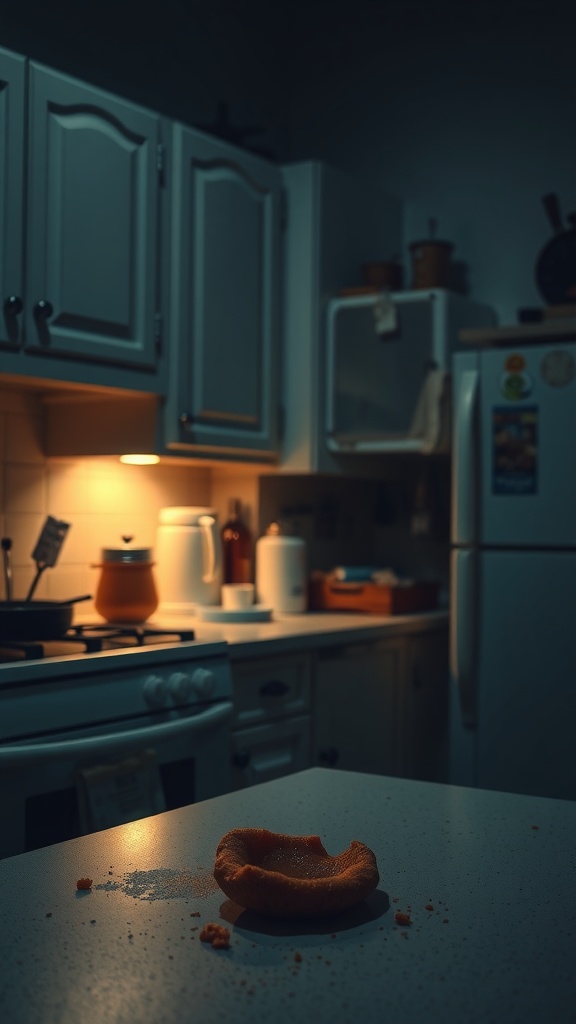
[488, 879]
[285, 633]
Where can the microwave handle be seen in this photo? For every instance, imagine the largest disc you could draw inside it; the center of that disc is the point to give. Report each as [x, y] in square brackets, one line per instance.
[113, 743]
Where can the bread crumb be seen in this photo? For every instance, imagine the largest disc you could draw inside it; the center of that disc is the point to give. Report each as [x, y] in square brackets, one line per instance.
[84, 883]
[401, 918]
[216, 935]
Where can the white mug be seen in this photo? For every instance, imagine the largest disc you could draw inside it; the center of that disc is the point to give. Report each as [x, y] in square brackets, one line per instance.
[237, 596]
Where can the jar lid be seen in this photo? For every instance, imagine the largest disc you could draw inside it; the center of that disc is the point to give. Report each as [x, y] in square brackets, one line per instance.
[127, 554]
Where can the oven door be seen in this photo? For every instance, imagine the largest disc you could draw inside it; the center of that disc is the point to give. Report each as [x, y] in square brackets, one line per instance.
[80, 781]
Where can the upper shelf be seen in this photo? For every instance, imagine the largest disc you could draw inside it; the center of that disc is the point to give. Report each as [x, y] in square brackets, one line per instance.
[545, 330]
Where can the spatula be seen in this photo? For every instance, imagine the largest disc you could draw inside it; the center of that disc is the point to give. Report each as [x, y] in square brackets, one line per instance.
[47, 548]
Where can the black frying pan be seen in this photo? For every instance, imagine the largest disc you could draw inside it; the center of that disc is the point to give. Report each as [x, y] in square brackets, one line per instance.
[556, 264]
[36, 620]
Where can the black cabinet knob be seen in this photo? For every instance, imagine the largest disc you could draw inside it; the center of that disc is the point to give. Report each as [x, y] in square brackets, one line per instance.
[43, 309]
[274, 688]
[186, 419]
[13, 305]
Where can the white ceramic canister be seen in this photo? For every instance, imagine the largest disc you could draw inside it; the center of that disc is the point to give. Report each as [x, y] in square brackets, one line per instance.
[189, 558]
[281, 571]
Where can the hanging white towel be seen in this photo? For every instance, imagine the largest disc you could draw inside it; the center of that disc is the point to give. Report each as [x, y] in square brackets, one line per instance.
[431, 419]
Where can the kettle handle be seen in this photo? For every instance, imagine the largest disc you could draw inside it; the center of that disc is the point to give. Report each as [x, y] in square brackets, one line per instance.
[211, 551]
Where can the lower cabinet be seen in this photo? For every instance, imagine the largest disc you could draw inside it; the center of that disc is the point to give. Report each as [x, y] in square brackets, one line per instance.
[271, 726]
[354, 708]
[379, 707]
[423, 708]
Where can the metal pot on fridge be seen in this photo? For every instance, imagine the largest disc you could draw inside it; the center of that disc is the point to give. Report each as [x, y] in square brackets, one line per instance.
[281, 570]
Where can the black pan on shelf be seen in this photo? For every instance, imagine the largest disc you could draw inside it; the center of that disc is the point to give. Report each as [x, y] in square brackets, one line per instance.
[556, 264]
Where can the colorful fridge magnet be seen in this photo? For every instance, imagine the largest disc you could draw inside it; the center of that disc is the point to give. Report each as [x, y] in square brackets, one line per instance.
[514, 450]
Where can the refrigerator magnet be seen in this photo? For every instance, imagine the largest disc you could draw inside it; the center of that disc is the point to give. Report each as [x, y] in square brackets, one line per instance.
[558, 368]
[514, 450]
[516, 385]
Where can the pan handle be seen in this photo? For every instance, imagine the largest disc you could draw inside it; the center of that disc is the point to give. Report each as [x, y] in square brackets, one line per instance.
[552, 207]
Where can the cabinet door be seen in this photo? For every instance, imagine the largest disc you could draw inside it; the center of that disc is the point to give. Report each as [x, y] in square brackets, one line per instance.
[224, 297]
[92, 223]
[355, 707]
[423, 717]
[12, 71]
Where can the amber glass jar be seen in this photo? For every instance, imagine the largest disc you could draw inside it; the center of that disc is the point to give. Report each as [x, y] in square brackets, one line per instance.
[126, 591]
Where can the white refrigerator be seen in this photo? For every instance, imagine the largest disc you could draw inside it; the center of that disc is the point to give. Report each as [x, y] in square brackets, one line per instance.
[513, 570]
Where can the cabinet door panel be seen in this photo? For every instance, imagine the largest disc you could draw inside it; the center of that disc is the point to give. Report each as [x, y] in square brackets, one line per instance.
[354, 707]
[225, 253]
[423, 719]
[12, 72]
[92, 237]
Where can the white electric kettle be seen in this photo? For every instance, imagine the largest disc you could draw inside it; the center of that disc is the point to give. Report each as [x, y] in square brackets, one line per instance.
[188, 558]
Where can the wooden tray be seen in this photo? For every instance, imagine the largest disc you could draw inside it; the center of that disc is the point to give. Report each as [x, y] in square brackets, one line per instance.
[327, 594]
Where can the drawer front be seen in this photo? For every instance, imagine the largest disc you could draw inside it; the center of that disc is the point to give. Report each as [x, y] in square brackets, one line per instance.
[270, 688]
[270, 751]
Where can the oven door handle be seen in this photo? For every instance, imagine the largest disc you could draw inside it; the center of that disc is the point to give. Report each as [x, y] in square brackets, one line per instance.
[112, 743]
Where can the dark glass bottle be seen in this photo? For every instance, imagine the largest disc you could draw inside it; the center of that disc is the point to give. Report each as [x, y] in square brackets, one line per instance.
[236, 546]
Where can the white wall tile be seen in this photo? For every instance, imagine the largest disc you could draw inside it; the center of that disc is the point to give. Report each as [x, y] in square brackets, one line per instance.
[25, 489]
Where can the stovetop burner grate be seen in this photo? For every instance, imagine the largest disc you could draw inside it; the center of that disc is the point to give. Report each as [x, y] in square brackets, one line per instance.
[90, 639]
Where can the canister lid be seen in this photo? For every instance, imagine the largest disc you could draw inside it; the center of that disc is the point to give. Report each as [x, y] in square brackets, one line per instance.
[127, 554]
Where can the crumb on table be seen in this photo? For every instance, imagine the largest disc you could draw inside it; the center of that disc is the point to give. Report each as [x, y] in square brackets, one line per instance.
[217, 935]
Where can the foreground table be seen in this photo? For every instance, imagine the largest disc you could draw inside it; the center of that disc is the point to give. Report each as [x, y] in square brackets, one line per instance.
[489, 881]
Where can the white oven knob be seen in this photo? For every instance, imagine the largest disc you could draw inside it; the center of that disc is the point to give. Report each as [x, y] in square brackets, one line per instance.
[180, 686]
[155, 691]
[203, 681]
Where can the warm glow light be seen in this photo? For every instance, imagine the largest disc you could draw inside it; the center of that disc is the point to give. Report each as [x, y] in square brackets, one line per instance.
[140, 460]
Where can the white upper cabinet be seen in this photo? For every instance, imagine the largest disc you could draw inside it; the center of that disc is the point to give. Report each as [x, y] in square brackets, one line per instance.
[91, 226]
[12, 84]
[223, 275]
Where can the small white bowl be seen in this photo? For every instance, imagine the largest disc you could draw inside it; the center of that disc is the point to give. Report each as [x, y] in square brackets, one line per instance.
[236, 596]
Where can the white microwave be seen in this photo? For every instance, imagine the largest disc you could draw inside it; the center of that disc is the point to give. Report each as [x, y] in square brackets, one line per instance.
[387, 355]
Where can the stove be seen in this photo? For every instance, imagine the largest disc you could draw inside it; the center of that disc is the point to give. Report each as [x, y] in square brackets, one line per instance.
[107, 725]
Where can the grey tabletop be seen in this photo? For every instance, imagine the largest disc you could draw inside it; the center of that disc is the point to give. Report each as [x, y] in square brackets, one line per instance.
[488, 879]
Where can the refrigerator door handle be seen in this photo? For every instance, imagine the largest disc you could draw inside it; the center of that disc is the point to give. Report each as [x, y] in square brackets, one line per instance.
[463, 632]
[465, 458]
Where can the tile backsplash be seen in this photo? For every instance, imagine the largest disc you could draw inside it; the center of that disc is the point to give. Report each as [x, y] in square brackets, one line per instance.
[343, 520]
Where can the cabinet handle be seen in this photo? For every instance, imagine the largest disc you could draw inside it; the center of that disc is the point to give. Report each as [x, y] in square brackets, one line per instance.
[274, 688]
[329, 756]
[186, 419]
[43, 309]
[13, 305]
[241, 759]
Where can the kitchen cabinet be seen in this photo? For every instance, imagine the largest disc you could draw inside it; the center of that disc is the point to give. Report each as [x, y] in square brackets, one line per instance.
[382, 706]
[84, 309]
[12, 85]
[423, 714]
[354, 706]
[271, 724]
[223, 295]
[334, 224]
